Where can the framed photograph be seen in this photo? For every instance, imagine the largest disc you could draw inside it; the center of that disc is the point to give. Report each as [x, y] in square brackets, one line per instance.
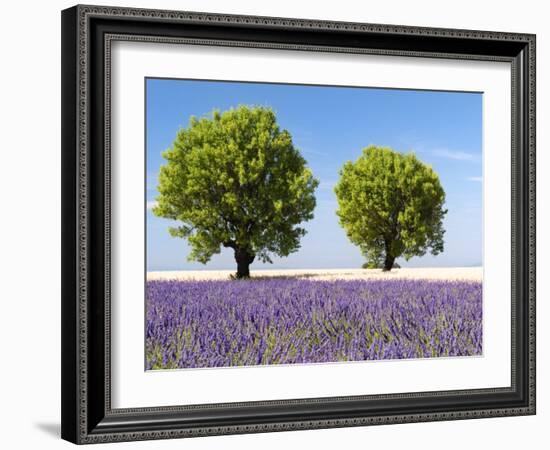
[279, 224]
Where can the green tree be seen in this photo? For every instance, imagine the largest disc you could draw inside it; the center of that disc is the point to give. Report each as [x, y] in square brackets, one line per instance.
[391, 205]
[235, 179]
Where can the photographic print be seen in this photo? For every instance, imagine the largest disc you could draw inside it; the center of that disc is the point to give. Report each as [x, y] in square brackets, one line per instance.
[301, 224]
[280, 204]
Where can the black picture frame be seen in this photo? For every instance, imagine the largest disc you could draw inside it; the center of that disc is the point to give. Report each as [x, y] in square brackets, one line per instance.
[87, 416]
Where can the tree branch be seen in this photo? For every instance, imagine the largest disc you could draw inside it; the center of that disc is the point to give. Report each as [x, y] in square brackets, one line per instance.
[231, 244]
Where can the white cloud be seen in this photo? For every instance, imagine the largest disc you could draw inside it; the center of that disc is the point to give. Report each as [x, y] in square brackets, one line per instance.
[480, 179]
[455, 155]
[151, 204]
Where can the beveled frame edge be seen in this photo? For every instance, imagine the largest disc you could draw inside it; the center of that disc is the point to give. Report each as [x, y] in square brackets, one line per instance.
[76, 222]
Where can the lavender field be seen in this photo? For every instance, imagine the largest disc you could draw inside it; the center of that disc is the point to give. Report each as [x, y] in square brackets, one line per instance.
[217, 323]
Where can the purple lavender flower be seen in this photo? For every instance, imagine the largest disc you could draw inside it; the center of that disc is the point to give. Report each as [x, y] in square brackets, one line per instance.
[288, 321]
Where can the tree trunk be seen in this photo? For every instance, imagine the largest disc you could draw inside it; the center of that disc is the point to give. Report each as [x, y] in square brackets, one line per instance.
[388, 263]
[390, 259]
[244, 259]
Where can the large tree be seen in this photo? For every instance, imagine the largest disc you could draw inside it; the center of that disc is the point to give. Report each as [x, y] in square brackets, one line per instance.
[391, 205]
[235, 179]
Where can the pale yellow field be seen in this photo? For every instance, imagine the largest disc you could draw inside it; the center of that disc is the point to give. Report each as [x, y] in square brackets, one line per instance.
[424, 273]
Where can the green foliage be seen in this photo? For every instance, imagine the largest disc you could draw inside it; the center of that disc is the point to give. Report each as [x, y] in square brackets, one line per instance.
[377, 265]
[235, 179]
[391, 205]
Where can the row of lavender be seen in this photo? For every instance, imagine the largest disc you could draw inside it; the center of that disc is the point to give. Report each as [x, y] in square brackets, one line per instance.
[286, 321]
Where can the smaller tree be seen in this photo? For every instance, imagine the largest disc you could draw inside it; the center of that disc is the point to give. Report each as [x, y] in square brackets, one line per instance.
[391, 205]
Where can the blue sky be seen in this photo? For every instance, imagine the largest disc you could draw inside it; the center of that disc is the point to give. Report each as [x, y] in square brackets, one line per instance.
[331, 125]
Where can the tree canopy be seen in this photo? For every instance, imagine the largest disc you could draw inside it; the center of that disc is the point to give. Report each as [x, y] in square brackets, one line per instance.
[391, 205]
[235, 179]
